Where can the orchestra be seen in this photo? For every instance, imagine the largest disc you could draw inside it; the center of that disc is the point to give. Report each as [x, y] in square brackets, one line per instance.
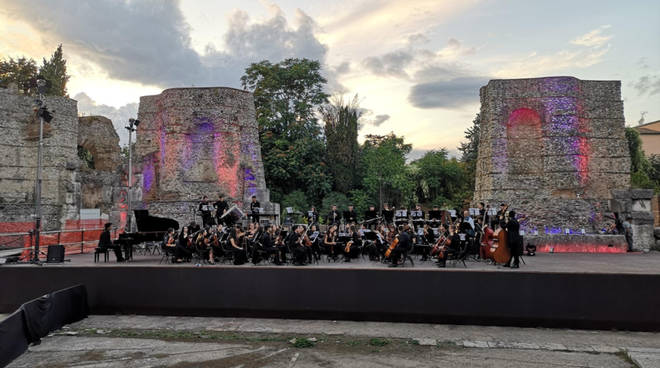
[390, 235]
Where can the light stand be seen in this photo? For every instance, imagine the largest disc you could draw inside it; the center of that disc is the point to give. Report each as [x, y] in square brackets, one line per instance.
[43, 113]
[132, 127]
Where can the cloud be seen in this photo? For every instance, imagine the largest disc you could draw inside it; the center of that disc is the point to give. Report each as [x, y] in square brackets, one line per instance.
[148, 41]
[453, 93]
[379, 119]
[648, 85]
[119, 116]
[595, 38]
[389, 64]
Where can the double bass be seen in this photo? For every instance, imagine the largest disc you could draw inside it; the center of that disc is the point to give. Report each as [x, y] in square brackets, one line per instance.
[499, 250]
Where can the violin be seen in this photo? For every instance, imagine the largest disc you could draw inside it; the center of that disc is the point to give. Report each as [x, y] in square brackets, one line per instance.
[439, 246]
[170, 241]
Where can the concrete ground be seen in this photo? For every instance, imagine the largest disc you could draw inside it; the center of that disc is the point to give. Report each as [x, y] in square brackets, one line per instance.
[156, 341]
[639, 263]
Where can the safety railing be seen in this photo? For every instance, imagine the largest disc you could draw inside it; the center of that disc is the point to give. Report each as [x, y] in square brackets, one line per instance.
[74, 241]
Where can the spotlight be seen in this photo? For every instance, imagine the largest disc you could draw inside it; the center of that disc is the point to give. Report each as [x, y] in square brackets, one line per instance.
[45, 114]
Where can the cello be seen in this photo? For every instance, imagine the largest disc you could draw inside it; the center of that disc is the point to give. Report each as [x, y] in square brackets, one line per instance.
[393, 246]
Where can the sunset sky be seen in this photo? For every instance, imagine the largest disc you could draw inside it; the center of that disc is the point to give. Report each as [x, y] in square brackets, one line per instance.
[416, 65]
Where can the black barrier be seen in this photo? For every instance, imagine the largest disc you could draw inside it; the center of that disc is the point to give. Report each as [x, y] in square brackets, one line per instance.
[534, 299]
[38, 317]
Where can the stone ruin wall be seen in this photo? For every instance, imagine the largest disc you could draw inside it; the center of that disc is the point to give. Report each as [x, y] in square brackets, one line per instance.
[554, 148]
[103, 186]
[19, 130]
[67, 186]
[198, 141]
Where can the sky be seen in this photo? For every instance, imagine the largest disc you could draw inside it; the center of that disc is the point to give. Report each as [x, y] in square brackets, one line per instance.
[416, 65]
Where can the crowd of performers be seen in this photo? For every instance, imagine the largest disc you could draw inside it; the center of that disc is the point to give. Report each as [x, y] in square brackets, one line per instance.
[390, 236]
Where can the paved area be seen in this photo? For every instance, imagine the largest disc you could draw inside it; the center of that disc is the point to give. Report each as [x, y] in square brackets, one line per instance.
[638, 263]
[149, 341]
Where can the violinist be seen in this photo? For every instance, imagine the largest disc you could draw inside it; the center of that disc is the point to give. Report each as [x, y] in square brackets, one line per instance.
[428, 239]
[330, 242]
[295, 243]
[183, 246]
[501, 215]
[353, 245]
[236, 239]
[268, 242]
[404, 245]
[440, 248]
[280, 244]
[313, 237]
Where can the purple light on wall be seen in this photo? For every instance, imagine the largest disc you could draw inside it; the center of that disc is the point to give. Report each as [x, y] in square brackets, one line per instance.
[148, 175]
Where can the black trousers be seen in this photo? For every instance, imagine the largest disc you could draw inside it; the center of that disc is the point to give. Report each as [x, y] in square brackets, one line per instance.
[117, 249]
[182, 252]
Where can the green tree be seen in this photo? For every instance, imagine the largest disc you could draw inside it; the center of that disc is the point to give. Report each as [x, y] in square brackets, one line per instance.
[341, 132]
[441, 180]
[296, 199]
[386, 176]
[22, 72]
[287, 96]
[640, 168]
[470, 150]
[336, 198]
[54, 72]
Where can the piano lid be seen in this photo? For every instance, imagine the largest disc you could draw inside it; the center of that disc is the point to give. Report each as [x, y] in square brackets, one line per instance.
[148, 223]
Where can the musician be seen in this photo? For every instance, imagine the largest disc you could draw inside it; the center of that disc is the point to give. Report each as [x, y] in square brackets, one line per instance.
[428, 239]
[221, 207]
[205, 209]
[312, 216]
[330, 241]
[350, 217]
[405, 244]
[182, 250]
[268, 244]
[254, 209]
[353, 245]
[486, 241]
[435, 216]
[295, 243]
[501, 215]
[370, 216]
[334, 217]
[313, 236]
[514, 240]
[388, 214]
[280, 244]
[193, 227]
[105, 242]
[236, 241]
[441, 247]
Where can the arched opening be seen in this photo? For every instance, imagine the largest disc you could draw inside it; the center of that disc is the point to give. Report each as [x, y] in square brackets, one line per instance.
[524, 143]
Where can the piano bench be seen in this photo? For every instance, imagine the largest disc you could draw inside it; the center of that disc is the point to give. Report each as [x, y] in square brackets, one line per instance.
[104, 251]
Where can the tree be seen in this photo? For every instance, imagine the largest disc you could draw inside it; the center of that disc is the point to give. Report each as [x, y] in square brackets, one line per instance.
[441, 180]
[54, 72]
[22, 72]
[386, 176]
[640, 167]
[287, 96]
[341, 132]
[470, 150]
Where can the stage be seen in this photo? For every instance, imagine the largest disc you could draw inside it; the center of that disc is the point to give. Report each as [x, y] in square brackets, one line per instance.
[598, 291]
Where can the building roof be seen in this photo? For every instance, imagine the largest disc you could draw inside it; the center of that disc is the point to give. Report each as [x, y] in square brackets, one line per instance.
[649, 128]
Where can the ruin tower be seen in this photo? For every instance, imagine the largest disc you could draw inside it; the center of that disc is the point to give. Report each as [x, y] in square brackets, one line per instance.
[554, 148]
[198, 141]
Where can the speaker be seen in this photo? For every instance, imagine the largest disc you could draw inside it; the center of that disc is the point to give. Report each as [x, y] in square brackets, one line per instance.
[55, 254]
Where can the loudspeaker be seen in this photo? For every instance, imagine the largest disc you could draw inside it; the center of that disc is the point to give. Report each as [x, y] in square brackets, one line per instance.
[55, 254]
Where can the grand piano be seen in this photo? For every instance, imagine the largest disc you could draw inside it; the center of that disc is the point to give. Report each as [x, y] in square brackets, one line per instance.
[149, 229]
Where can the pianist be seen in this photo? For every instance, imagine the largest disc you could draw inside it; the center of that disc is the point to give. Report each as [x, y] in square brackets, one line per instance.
[105, 242]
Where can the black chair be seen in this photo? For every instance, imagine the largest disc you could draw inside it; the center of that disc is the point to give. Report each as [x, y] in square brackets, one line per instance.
[168, 253]
[101, 250]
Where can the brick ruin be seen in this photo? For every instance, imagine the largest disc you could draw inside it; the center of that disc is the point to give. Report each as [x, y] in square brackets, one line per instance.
[555, 150]
[67, 184]
[198, 141]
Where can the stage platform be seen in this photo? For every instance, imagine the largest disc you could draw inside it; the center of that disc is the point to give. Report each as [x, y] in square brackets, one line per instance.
[597, 291]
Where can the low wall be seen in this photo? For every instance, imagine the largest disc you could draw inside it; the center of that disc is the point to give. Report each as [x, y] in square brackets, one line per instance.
[566, 300]
[577, 243]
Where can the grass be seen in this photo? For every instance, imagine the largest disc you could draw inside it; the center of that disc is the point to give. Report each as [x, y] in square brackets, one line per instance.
[376, 341]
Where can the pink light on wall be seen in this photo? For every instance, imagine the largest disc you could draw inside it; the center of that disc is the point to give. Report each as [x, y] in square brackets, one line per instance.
[226, 159]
